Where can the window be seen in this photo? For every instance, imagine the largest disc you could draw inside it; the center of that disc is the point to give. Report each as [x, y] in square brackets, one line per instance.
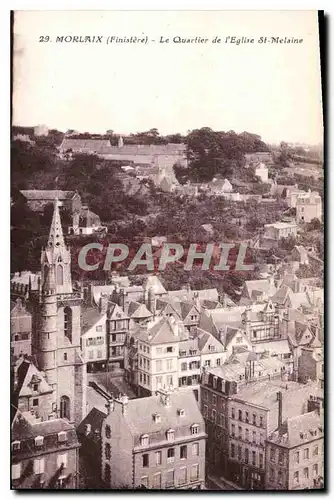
[233, 430]
[240, 432]
[238, 340]
[254, 436]
[169, 364]
[247, 417]
[99, 328]
[183, 475]
[272, 454]
[261, 438]
[261, 460]
[144, 440]
[205, 395]
[239, 452]
[62, 436]
[35, 387]
[60, 275]
[99, 354]
[253, 457]
[271, 474]
[246, 455]
[158, 457]
[296, 477]
[306, 454]
[170, 380]
[144, 481]
[180, 412]
[261, 421]
[108, 431]
[297, 457]
[65, 356]
[68, 323]
[240, 415]
[247, 435]
[183, 367]
[315, 469]
[170, 478]
[254, 419]
[315, 450]
[16, 445]
[107, 474]
[90, 354]
[280, 456]
[39, 441]
[107, 451]
[39, 466]
[280, 477]
[232, 450]
[170, 455]
[232, 413]
[16, 471]
[62, 461]
[214, 399]
[207, 362]
[159, 350]
[169, 349]
[306, 473]
[213, 415]
[157, 481]
[145, 460]
[170, 435]
[35, 402]
[195, 449]
[205, 411]
[195, 429]
[183, 452]
[194, 472]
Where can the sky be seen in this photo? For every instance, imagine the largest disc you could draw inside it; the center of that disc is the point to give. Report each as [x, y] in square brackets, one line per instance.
[270, 90]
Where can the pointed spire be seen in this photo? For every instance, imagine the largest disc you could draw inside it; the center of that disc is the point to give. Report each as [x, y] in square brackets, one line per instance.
[56, 237]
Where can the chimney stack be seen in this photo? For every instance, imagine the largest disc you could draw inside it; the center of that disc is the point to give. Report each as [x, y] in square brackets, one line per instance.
[103, 303]
[280, 416]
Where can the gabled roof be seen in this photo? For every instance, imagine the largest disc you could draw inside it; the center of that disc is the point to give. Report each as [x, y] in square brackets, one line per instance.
[28, 374]
[95, 419]
[51, 195]
[137, 310]
[90, 317]
[299, 430]
[263, 286]
[163, 331]
[153, 281]
[282, 294]
[90, 145]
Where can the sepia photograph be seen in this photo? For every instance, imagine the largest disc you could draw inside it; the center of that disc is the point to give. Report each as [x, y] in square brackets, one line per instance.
[167, 250]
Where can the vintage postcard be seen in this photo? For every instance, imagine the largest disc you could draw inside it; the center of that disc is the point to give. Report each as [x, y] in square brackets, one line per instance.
[167, 250]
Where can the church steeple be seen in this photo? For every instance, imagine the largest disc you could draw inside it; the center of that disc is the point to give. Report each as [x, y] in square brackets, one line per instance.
[56, 258]
[56, 237]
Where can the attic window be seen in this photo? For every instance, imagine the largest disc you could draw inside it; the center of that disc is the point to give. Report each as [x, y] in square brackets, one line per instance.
[181, 412]
[195, 429]
[144, 440]
[170, 435]
[16, 445]
[157, 418]
[214, 382]
[212, 348]
[39, 440]
[62, 436]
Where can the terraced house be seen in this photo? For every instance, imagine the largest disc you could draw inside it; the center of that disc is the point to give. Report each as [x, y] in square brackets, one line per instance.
[156, 442]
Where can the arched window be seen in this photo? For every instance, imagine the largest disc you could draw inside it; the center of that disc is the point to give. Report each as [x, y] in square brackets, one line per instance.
[60, 275]
[68, 323]
[65, 410]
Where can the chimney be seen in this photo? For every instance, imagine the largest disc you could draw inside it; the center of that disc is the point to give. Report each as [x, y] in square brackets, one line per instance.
[103, 303]
[164, 397]
[122, 299]
[280, 417]
[110, 406]
[124, 400]
[151, 300]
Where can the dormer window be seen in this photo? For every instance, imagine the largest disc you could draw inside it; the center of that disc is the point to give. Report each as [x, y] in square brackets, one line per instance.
[214, 382]
[156, 418]
[144, 440]
[212, 348]
[180, 412]
[170, 435]
[39, 440]
[62, 436]
[194, 429]
[35, 387]
[16, 445]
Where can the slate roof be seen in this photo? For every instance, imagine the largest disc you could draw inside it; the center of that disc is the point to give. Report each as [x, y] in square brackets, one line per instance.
[137, 310]
[89, 317]
[299, 430]
[89, 145]
[161, 332]
[95, 419]
[139, 414]
[26, 372]
[41, 194]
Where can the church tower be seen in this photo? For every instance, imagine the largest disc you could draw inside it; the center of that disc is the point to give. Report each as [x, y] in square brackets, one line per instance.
[57, 329]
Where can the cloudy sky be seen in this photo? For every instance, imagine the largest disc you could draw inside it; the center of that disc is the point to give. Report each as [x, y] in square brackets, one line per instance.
[271, 90]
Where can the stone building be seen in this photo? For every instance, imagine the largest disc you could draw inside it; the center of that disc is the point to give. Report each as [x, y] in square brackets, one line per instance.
[295, 453]
[157, 442]
[44, 453]
[309, 207]
[56, 326]
[20, 330]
